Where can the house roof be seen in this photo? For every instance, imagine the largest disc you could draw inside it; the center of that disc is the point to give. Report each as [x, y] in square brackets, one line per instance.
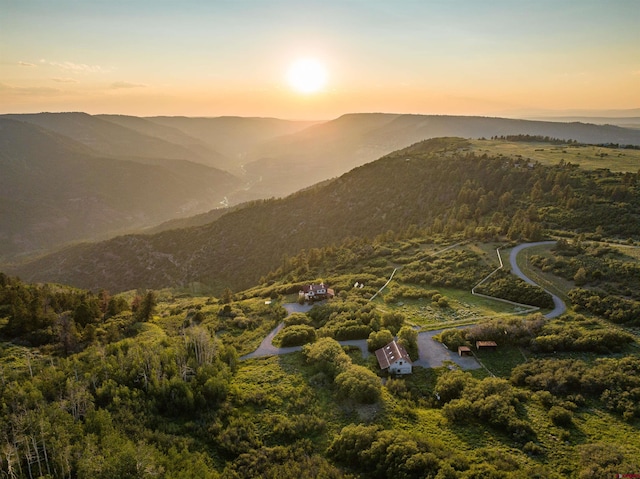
[313, 287]
[390, 353]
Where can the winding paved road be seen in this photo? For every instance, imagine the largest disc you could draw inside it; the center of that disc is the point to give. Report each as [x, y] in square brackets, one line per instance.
[432, 353]
[559, 306]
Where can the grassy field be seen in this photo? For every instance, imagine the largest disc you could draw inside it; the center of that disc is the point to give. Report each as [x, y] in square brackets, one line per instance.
[589, 157]
[464, 308]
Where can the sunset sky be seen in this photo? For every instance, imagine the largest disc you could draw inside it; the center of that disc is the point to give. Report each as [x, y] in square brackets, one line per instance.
[233, 57]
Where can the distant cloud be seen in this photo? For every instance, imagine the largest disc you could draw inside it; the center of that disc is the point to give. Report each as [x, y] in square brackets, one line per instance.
[75, 67]
[65, 80]
[123, 84]
[31, 91]
[26, 64]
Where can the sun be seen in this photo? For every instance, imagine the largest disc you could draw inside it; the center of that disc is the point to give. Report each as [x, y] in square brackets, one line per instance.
[307, 75]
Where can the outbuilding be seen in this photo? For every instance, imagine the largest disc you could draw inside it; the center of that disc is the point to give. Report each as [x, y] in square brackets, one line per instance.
[464, 351]
[486, 345]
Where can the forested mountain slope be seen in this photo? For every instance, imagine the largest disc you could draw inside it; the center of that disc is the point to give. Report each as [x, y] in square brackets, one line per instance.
[435, 186]
[55, 190]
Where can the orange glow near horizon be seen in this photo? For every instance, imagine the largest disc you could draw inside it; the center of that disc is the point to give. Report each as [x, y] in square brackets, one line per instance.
[460, 58]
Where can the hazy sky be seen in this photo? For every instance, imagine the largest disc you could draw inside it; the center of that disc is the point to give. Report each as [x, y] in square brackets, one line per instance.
[230, 57]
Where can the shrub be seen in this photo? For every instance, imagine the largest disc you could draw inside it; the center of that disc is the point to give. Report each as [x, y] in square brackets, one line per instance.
[327, 356]
[393, 321]
[359, 384]
[297, 335]
[533, 449]
[560, 416]
[379, 339]
[408, 339]
[296, 319]
[452, 338]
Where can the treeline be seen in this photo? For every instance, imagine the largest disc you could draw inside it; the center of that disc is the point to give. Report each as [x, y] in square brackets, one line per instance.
[66, 318]
[535, 138]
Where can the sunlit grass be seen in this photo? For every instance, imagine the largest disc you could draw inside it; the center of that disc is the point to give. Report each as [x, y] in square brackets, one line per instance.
[464, 308]
[503, 360]
[588, 157]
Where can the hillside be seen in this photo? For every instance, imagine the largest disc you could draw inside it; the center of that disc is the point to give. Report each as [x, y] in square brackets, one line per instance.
[55, 190]
[435, 186]
[330, 149]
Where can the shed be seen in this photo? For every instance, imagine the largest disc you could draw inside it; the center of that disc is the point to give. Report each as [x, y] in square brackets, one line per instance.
[486, 345]
[394, 358]
[464, 350]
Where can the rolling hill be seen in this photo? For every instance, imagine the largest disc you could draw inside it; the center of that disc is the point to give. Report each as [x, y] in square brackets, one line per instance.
[330, 149]
[55, 190]
[434, 186]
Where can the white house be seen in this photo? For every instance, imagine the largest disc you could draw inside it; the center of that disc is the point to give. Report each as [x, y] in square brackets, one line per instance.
[394, 358]
[315, 292]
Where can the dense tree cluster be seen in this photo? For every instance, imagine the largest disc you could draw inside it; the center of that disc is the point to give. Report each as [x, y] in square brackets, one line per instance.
[540, 336]
[492, 401]
[67, 319]
[614, 308]
[570, 337]
[613, 381]
[507, 286]
[389, 454]
[352, 381]
[453, 268]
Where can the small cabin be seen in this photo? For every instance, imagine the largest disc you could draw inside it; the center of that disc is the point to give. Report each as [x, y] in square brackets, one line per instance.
[394, 358]
[486, 345]
[464, 351]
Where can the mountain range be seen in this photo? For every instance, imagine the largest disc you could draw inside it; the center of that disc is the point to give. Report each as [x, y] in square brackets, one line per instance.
[69, 177]
[437, 186]
[55, 190]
